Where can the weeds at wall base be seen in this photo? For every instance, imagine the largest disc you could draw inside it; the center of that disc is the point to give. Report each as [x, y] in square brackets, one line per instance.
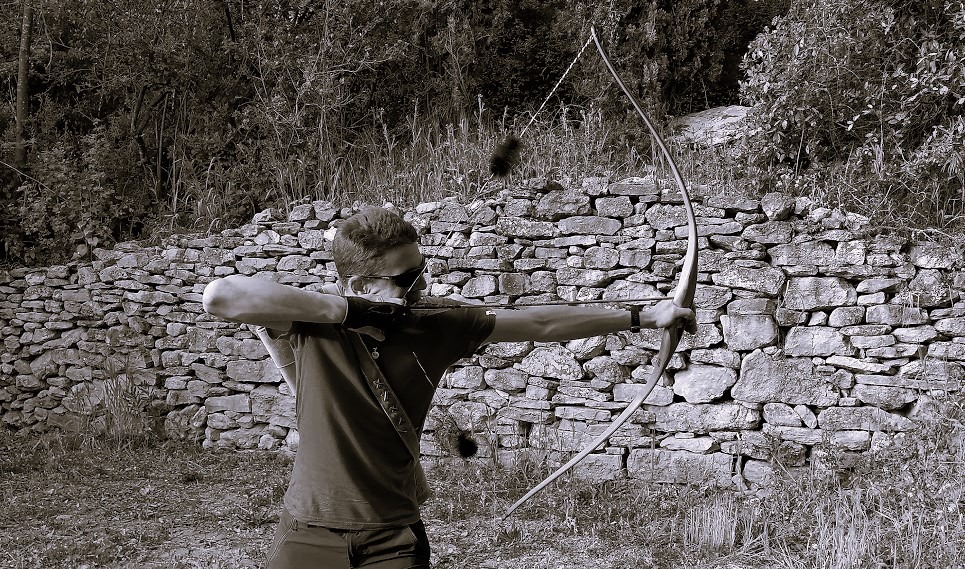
[77, 498]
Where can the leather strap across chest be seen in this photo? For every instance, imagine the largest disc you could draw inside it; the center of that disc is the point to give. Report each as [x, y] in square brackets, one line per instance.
[383, 393]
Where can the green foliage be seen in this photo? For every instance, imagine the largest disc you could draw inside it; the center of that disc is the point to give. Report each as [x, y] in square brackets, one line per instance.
[85, 189]
[683, 56]
[869, 94]
[187, 116]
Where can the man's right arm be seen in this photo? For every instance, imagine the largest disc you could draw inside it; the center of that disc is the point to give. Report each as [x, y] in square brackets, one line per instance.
[261, 302]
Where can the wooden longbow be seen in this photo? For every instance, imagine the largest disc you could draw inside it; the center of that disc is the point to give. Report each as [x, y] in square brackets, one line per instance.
[683, 296]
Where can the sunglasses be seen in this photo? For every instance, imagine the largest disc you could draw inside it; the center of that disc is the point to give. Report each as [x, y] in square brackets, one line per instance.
[404, 280]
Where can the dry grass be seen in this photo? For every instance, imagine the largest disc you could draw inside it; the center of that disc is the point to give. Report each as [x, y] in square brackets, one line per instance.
[84, 501]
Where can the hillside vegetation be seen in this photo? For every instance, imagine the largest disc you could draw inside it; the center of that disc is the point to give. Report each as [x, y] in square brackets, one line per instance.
[137, 118]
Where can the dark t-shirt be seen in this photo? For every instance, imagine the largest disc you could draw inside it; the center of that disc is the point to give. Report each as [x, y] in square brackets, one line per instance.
[352, 469]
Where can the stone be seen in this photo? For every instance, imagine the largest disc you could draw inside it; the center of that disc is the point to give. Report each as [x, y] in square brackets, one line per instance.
[521, 227]
[516, 413]
[758, 473]
[947, 350]
[856, 441]
[846, 316]
[952, 327]
[769, 233]
[698, 445]
[701, 383]
[600, 468]
[934, 370]
[896, 315]
[587, 348]
[248, 371]
[777, 206]
[884, 397]
[934, 255]
[806, 253]
[239, 403]
[859, 365]
[868, 342]
[749, 306]
[179, 397]
[619, 207]
[558, 204]
[764, 378]
[862, 418]
[801, 435]
[241, 438]
[628, 290]
[749, 332]
[879, 285]
[816, 341]
[83, 398]
[480, 287]
[717, 356]
[806, 415]
[250, 348]
[269, 405]
[581, 413]
[556, 362]
[509, 349]
[768, 281]
[601, 258]
[470, 377]
[929, 288]
[583, 277]
[849, 253]
[178, 424]
[220, 421]
[471, 416]
[606, 369]
[818, 293]
[660, 395]
[635, 258]
[781, 414]
[509, 380]
[665, 216]
[680, 467]
[713, 127]
[704, 418]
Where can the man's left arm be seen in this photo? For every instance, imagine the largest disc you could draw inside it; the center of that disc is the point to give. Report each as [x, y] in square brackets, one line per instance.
[562, 323]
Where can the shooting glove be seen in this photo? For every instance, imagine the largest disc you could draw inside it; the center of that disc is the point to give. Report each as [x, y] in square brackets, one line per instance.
[362, 313]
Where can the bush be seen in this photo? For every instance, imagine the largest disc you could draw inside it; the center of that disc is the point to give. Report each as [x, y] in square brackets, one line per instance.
[865, 94]
[85, 190]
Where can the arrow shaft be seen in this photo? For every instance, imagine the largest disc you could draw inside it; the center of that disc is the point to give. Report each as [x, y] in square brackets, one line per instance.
[553, 303]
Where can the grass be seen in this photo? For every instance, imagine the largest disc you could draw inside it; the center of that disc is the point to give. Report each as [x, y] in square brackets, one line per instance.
[427, 161]
[74, 500]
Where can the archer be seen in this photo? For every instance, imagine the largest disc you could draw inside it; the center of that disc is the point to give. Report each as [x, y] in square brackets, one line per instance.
[366, 367]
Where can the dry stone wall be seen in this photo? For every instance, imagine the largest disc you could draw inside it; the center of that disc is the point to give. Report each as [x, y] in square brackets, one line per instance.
[814, 333]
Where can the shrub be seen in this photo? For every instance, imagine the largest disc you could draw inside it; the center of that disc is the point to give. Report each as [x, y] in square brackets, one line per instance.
[865, 94]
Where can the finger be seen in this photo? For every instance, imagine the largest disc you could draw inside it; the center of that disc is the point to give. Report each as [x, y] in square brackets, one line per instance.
[691, 322]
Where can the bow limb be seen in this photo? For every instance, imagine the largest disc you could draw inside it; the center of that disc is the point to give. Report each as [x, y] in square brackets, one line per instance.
[683, 297]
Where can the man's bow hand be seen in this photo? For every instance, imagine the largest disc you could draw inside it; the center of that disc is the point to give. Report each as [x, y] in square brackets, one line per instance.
[666, 314]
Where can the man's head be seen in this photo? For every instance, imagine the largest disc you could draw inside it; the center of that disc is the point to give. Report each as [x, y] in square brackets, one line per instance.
[377, 254]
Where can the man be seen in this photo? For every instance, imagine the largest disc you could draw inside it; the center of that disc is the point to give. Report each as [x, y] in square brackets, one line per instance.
[366, 368]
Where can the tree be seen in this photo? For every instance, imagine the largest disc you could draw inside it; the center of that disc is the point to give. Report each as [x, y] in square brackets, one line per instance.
[23, 90]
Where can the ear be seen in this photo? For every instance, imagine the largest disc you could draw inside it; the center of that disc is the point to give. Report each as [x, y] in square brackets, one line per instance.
[357, 285]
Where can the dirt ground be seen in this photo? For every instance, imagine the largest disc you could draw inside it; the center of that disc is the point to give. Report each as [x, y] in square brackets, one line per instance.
[171, 506]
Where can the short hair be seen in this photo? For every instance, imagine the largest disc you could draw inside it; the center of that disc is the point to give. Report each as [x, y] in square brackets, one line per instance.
[362, 239]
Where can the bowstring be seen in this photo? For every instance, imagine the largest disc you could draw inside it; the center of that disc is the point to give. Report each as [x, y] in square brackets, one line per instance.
[558, 83]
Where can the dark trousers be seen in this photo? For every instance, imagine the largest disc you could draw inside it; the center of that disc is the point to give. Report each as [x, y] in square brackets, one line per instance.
[300, 546]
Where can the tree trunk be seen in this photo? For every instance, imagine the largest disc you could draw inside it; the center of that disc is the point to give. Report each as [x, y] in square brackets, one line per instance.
[23, 92]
